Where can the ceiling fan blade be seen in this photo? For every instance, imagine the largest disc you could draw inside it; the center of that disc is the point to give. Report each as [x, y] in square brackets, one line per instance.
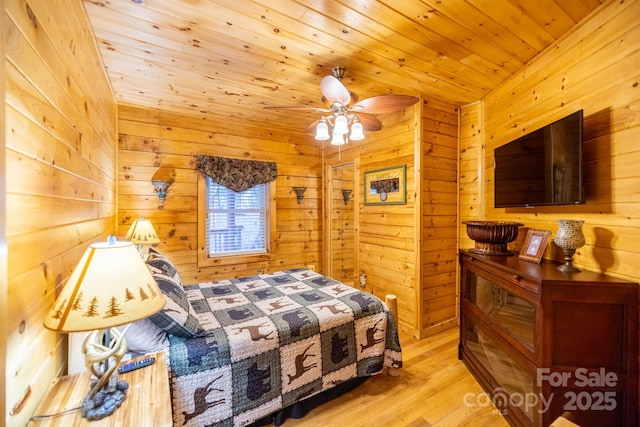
[334, 90]
[314, 109]
[369, 122]
[311, 129]
[385, 104]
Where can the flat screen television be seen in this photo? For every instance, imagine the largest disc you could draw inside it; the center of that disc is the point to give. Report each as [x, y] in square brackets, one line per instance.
[541, 168]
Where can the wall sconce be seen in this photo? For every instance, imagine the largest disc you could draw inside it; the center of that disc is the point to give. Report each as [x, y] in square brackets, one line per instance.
[161, 187]
[300, 193]
[345, 196]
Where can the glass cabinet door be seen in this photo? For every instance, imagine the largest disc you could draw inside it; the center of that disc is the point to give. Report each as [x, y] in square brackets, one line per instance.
[512, 312]
[515, 385]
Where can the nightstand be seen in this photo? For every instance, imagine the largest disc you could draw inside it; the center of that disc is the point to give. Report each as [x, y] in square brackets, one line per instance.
[148, 402]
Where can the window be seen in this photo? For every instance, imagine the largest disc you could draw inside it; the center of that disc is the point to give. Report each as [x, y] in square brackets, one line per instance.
[236, 223]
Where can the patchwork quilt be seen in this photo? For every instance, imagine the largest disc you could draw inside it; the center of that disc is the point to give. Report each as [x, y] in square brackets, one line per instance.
[272, 340]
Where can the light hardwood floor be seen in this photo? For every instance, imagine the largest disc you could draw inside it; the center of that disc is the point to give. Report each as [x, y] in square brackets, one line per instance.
[430, 391]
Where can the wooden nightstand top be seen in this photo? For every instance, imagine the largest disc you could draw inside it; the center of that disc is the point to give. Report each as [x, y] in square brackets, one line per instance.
[148, 401]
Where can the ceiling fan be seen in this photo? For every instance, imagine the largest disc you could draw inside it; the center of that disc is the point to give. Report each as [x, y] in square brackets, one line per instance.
[347, 116]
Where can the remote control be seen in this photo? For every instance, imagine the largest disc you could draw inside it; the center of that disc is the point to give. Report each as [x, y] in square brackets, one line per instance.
[136, 365]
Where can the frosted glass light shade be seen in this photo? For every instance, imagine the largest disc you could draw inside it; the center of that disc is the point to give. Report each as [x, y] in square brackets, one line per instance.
[357, 133]
[322, 130]
[338, 139]
[341, 125]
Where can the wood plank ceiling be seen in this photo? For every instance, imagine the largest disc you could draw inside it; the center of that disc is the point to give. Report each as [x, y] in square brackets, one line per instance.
[234, 57]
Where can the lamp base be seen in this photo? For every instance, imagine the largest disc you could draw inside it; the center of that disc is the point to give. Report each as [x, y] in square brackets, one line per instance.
[105, 401]
[143, 254]
[106, 393]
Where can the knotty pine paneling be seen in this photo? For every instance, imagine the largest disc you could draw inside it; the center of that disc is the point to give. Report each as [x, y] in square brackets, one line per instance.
[470, 171]
[385, 236]
[595, 68]
[4, 316]
[438, 215]
[454, 51]
[388, 256]
[153, 142]
[400, 247]
[60, 156]
[340, 242]
[599, 82]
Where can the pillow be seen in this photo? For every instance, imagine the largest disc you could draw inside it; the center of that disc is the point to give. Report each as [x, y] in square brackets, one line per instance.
[144, 336]
[177, 317]
[161, 264]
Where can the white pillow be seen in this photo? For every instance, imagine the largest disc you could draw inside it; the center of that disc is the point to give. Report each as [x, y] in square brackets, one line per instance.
[143, 336]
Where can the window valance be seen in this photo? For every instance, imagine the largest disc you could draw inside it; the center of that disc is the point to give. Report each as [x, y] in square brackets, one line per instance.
[235, 174]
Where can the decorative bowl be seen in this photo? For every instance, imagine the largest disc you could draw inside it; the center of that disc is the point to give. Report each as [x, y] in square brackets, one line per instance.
[492, 237]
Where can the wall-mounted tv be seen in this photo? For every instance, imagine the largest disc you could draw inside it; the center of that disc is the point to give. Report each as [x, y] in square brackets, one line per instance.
[541, 168]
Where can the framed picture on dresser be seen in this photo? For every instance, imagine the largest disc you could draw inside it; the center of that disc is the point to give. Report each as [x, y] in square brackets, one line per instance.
[534, 245]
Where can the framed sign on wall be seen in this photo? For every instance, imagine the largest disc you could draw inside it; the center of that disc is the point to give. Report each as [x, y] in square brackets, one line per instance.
[386, 186]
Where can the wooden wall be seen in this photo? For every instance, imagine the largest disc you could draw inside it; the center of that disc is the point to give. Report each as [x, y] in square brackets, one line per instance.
[340, 223]
[60, 188]
[388, 238]
[471, 182]
[595, 68]
[60, 153]
[3, 251]
[409, 250]
[153, 142]
[438, 218]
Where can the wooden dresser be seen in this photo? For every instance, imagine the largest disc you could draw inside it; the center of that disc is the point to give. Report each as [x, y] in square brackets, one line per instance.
[543, 343]
[148, 401]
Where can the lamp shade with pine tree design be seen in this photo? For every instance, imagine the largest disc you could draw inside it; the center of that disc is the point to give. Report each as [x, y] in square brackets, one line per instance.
[111, 286]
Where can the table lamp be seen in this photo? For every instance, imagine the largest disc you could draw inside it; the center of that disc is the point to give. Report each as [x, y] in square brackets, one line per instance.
[110, 286]
[142, 233]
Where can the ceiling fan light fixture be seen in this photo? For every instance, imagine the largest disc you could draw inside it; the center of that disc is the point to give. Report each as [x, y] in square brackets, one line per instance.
[338, 139]
[322, 130]
[341, 125]
[347, 111]
[357, 131]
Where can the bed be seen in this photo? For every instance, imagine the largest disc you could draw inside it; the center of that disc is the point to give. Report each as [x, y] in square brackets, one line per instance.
[243, 350]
